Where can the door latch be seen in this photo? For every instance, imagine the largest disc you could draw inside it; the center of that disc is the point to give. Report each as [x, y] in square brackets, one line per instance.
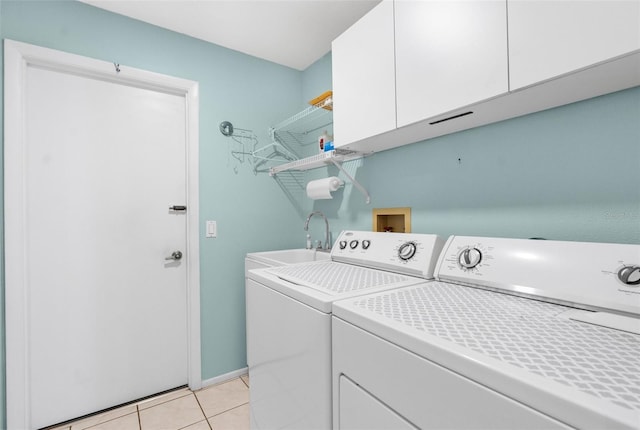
[175, 256]
[177, 208]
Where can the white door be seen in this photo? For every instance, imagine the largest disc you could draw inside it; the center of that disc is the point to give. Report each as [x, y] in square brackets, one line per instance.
[106, 317]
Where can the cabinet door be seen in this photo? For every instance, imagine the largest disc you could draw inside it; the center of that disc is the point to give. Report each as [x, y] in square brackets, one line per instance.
[364, 103]
[550, 38]
[449, 54]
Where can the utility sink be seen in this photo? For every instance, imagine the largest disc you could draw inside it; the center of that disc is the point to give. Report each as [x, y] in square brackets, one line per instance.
[256, 260]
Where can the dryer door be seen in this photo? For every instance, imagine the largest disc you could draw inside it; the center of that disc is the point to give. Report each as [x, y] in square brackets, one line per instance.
[360, 410]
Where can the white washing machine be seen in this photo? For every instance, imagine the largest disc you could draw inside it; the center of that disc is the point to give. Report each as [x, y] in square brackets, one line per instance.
[289, 320]
[514, 334]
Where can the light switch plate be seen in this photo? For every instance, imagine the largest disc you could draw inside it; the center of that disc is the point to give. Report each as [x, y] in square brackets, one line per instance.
[212, 229]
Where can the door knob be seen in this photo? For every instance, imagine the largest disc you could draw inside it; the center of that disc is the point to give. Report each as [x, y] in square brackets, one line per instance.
[175, 255]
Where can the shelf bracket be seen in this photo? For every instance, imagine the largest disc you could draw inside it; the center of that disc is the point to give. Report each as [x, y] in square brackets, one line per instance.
[353, 181]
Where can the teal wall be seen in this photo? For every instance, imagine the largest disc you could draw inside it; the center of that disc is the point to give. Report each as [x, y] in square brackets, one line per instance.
[251, 210]
[316, 79]
[569, 173]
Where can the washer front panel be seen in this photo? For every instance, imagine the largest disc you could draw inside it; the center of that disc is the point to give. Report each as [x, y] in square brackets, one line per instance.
[528, 334]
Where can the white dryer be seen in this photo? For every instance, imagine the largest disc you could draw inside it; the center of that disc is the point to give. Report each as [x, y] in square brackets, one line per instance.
[514, 334]
[289, 320]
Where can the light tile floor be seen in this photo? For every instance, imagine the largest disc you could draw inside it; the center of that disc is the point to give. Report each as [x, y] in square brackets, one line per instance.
[219, 407]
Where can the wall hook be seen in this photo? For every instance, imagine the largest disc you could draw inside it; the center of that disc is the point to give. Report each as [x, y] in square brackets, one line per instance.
[226, 128]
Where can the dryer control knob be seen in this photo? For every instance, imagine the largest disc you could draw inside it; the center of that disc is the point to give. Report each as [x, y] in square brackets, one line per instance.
[353, 244]
[470, 258]
[630, 275]
[407, 250]
[343, 244]
[366, 244]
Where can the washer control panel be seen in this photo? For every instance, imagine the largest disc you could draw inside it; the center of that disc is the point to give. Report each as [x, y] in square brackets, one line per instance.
[590, 275]
[629, 275]
[406, 253]
[469, 257]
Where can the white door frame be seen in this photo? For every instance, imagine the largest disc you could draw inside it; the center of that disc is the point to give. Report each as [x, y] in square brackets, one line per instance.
[17, 58]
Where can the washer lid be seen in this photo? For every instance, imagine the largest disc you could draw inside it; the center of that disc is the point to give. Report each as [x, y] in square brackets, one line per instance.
[320, 283]
[336, 278]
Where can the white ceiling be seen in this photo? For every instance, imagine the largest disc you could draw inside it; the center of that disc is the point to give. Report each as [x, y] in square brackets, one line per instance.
[294, 33]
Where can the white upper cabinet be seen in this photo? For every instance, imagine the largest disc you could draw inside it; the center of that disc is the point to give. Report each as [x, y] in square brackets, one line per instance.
[449, 54]
[416, 69]
[364, 100]
[551, 38]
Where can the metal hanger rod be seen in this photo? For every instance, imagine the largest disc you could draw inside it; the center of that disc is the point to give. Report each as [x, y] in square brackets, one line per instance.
[353, 181]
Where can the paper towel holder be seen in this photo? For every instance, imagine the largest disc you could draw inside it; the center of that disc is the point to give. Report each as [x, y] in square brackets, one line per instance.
[335, 157]
[320, 189]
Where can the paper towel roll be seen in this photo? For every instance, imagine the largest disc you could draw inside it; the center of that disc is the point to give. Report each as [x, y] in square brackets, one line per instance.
[322, 188]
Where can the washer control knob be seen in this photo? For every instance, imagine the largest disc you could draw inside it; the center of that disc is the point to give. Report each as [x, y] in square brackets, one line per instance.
[630, 275]
[470, 258]
[343, 244]
[407, 250]
[353, 244]
[366, 244]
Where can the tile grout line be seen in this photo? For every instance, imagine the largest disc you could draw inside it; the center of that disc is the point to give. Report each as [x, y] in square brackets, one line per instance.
[202, 409]
[245, 382]
[187, 393]
[137, 404]
[157, 398]
[228, 410]
[102, 422]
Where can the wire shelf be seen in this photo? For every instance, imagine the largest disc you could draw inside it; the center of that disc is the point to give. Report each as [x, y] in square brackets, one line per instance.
[301, 130]
[300, 122]
[319, 160]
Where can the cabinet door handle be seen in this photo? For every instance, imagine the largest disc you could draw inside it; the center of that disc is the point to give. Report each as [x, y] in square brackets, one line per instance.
[451, 117]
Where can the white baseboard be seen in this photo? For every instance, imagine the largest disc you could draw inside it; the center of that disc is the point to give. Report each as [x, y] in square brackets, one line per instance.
[226, 377]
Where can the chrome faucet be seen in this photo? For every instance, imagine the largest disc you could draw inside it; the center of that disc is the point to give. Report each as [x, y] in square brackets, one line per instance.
[327, 244]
